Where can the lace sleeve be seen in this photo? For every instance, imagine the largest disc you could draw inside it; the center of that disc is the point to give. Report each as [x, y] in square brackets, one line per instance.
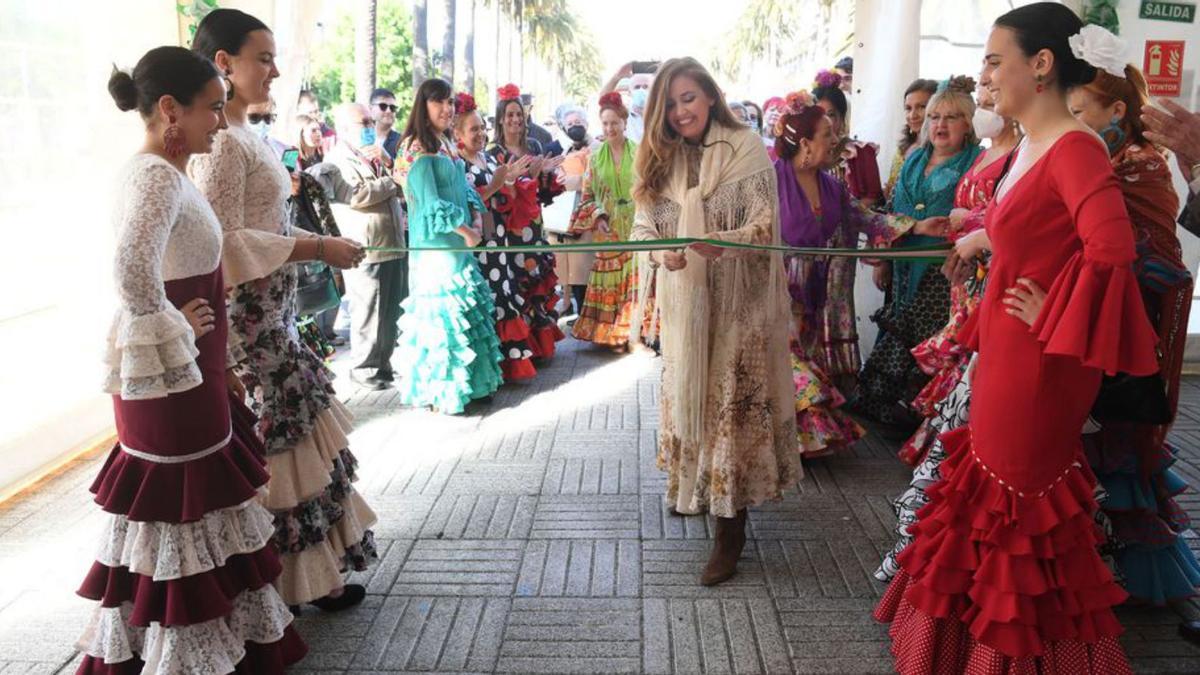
[151, 348]
[248, 253]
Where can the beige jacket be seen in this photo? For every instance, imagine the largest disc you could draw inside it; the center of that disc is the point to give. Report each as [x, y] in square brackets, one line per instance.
[366, 205]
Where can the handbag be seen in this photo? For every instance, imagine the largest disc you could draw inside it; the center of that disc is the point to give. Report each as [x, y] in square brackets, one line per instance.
[316, 288]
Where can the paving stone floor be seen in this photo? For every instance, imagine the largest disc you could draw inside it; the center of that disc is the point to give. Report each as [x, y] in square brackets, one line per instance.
[530, 537]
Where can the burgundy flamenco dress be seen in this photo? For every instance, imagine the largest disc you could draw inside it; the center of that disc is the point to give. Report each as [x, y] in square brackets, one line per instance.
[184, 570]
[1003, 575]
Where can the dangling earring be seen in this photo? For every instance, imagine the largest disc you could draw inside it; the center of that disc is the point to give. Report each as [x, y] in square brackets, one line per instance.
[1113, 134]
[173, 139]
[228, 86]
[1040, 87]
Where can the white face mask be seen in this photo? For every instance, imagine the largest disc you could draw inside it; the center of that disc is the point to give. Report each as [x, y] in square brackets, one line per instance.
[987, 123]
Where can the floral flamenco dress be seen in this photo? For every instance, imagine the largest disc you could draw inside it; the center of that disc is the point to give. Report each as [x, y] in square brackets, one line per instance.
[946, 400]
[538, 280]
[184, 569]
[1003, 575]
[822, 293]
[612, 295]
[449, 347]
[321, 522]
[502, 274]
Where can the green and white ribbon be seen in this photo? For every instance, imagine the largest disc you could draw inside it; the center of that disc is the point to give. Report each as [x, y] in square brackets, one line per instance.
[932, 253]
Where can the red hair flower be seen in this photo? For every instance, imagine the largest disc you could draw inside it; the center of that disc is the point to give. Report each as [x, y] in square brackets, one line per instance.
[508, 92]
[797, 101]
[611, 100]
[464, 103]
[828, 79]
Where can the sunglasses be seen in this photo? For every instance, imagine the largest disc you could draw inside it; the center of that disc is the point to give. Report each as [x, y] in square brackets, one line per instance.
[388, 107]
[259, 118]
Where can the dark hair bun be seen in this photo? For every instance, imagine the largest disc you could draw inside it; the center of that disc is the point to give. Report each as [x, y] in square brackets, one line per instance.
[163, 71]
[123, 90]
[963, 84]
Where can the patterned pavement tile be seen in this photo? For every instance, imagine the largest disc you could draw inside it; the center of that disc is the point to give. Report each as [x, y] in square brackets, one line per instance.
[531, 536]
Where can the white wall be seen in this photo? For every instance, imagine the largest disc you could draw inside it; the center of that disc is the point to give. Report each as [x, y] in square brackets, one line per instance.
[62, 142]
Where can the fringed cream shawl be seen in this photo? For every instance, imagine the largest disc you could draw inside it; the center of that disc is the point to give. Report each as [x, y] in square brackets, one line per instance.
[736, 160]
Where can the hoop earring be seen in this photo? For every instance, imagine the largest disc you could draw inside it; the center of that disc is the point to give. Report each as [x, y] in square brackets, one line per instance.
[174, 141]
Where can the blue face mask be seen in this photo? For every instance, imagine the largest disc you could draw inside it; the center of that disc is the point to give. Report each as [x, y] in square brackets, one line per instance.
[263, 129]
[638, 98]
[367, 137]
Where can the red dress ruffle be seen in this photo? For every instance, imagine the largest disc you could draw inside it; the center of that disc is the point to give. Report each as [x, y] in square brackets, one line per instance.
[180, 493]
[1091, 313]
[185, 601]
[1000, 582]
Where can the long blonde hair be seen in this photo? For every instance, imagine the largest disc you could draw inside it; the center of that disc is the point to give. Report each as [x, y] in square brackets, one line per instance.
[656, 152]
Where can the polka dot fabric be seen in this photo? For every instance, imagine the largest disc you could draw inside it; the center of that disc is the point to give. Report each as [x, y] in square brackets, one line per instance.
[502, 274]
[536, 280]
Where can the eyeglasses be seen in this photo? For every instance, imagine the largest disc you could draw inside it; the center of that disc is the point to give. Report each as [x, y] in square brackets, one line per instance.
[260, 118]
[388, 107]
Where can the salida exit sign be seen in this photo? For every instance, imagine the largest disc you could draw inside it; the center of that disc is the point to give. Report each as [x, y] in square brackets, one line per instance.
[1167, 11]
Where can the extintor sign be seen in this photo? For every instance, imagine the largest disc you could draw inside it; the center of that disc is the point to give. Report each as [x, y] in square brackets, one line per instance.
[1164, 67]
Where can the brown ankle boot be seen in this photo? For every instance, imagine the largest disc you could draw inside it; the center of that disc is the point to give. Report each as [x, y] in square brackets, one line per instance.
[727, 547]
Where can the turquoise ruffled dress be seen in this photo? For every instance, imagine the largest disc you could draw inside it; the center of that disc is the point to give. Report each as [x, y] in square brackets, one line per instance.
[449, 352]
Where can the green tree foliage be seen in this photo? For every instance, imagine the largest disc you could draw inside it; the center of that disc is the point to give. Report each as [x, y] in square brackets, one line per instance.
[1103, 13]
[332, 74]
[195, 11]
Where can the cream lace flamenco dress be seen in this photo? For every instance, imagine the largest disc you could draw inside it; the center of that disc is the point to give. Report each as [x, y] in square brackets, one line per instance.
[321, 522]
[183, 574]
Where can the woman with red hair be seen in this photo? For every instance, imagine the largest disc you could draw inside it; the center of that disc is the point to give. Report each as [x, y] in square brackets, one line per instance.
[607, 210]
[817, 210]
[1131, 456]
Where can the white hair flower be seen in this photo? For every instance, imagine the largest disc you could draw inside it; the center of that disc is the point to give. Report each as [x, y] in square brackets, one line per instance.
[1100, 48]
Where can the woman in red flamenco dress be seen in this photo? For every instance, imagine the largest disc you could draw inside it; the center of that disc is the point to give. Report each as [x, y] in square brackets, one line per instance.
[1003, 575]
